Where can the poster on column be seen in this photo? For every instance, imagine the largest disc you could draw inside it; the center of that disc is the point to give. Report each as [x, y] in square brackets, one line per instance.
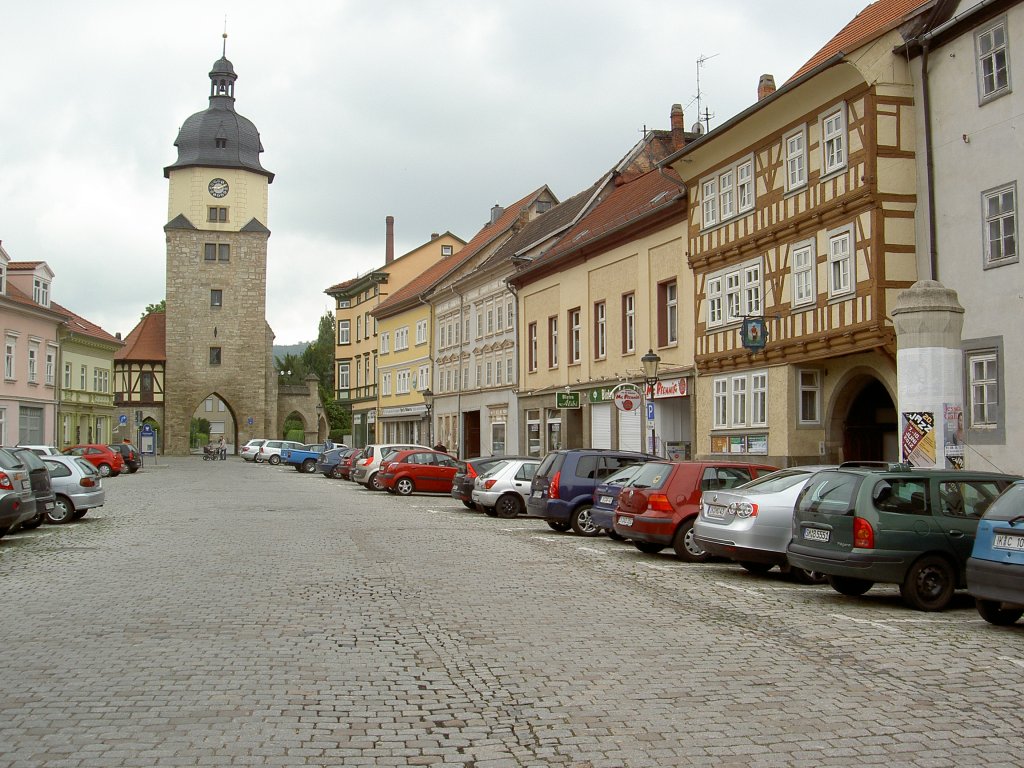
[954, 447]
[919, 438]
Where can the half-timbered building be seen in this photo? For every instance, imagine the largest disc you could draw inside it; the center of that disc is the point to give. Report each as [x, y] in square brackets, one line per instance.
[139, 373]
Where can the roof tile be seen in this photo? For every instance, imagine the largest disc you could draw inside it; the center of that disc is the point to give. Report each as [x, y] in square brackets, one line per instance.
[147, 340]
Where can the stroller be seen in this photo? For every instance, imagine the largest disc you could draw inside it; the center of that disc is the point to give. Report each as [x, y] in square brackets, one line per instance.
[210, 453]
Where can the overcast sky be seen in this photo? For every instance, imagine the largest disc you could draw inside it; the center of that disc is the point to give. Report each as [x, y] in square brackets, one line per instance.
[431, 111]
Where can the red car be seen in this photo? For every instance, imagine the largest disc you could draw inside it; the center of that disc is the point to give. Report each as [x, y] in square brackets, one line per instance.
[106, 461]
[658, 509]
[418, 470]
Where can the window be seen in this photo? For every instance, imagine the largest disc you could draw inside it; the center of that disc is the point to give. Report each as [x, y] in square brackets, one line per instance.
[510, 316]
[600, 330]
[489, 368]
[993, 61]
[366, 325]
[721, 402]
[552, 342]
[217, 252]
[510, 370]
[796, 159]
[531, 362]
[729, 193]
[1000, 211]
[216, 214]
[668, 314]
[490, 320]
[344, 303]
[421, 331]
[41, 292]
[146, 385]
[983, 375]
[759, 399]
[359, 327]
[344, 332]
[214, 355]
[745, 185]
[714, 298]
[82, 373]
[51, 364]
[33, 362]
[733, 295]
[402, 338]
[833, 143]
[402, 381]
[67, 375]
[424, 377]
[216, 297]
[344, 375]
[804, 290]
[385, 383]
[709, 195]
[10, 350]
[100, 380]
[574, 335]
[726, 201]
[385, 343]
[840, 263]
[628, 323]
[740, 400]
[752, 290]
[810, 397]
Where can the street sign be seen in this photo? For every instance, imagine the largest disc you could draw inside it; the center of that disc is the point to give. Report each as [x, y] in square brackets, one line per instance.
[628, 400]
[567, 399]
[147, 430]
[650, 411]
[251, 421]
[123, 419]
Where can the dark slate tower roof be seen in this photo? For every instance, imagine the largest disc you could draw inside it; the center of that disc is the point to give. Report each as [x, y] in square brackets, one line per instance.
[219, 137]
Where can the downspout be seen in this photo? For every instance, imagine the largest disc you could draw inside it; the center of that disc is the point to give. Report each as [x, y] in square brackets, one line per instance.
[933, 254]
[458, 375]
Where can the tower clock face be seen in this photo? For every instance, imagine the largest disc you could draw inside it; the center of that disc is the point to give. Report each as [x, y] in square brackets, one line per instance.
[218, 187]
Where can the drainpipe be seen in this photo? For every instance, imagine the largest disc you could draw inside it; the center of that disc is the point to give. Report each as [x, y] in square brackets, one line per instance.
[933, 252]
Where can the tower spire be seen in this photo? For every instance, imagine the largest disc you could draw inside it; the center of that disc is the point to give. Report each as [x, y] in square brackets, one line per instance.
[224, 45]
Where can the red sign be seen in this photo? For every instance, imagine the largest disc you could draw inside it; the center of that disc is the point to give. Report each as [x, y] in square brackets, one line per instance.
[670, 388]
[627, 400]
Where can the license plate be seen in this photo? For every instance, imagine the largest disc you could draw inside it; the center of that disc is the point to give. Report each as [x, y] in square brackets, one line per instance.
[606, 499]
[625, 522]
[1008, 541]
[816, 534]
[537, 494]
[26, 484]
[714, 510]
[49, 506]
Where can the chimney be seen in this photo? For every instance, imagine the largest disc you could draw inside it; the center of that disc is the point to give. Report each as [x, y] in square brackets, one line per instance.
[434, 235]
[496, 213]
[389, 239]
[765, 87]
[678, 126]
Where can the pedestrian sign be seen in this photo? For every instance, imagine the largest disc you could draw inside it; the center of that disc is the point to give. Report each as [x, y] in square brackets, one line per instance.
[123, 419]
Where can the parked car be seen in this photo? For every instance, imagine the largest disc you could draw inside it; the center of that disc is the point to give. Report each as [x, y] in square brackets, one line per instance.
[328, 461]
[78, 487]
[861, 525]
[15, 481]
[42, 450]
[304, 457]
[251, 449]
[606, 498]
[753, 523]
[462, 483]
[129, 455]
[995, 569]
[417, 471]
[658, 509]
[365, 469]
[41, 488]
[562, 490]
[109, 463]
[344, 469]
[270, 451]
[503, 489]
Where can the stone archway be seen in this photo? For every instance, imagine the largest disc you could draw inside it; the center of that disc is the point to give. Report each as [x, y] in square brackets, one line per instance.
[302, 399]
[862, 423]
[217, 410]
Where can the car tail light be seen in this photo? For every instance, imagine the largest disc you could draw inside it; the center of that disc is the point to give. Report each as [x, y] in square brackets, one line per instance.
[470, 472]
[658, 502]
[5, 482]
[367, 461]
[863, 534]
[488, 484]
[745, 509]
[553, 487]
[87, 482]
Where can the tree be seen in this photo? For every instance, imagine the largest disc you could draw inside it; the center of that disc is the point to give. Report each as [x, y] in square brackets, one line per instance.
[290, 369]
[160, 306]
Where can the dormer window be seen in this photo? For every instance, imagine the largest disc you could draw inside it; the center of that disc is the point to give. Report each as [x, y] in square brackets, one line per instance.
[222, 143]
[41, 292]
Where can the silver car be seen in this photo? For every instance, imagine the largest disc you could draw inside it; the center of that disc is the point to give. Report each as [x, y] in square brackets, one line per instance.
[753, 523]
[501, 491]
[250, 450]
[15, 478]
[78, 487]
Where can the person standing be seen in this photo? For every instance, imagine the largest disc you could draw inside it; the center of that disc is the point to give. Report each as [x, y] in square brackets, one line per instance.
[222, 449]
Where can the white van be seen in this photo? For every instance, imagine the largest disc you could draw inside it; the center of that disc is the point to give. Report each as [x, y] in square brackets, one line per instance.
[365, 468]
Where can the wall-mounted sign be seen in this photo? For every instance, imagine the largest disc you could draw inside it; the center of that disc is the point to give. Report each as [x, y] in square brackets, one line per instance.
[670, 388]
[567, 399]
[628, 400]
[754, 333]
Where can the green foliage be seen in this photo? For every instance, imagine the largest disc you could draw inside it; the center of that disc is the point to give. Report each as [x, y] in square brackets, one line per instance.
[160, 306]
[198, 432]
[291, 426]
[298, 435]
[290, 369]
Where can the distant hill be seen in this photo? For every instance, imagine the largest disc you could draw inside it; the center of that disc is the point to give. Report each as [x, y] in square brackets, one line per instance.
[290, 349]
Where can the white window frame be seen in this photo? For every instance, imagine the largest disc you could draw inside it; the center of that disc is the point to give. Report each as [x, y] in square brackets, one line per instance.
[574, 335]
[421, 332]
[721, 403]
[758, 399]
[834, 140]
[601, 329]
[41, 291]
[10, 358]
[745, 193]
[33, 362]
[629, 308]
[553, 341]
[714, 299]
[51, 365]
[734, 293]
[709, 201]
[1002, 219]
[740, 401]
[726, 195]
[753, 301]
[992, 49]
[385, 342]
[672, 312]
[842, 262]
[344, 375]
[804, 273]
[983, 389]
[67, 375]
[532, 351]
[402, 338]
[344, 332]
[795, 146]
[385, 384]
[808, 384]
[423, 378]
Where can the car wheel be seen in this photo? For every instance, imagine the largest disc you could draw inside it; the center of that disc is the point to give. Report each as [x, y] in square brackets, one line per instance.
[61, 512]
[686, 546]
[104, 469]
[803, 576]
[582, 523]
[615, 536]
[508, 506]
[929, 584]
[469, 505]
[993, 612]
[78, 514]
[558, 525]
[404, 486]
[490, 511]
[309, 466]
[274, 459]
[758, 568]
[35, 522]
[374, 483]
[133, 470]
[846, 585]
[648, 547]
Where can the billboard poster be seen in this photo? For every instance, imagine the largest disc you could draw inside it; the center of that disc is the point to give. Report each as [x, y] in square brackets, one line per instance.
[953, 415]
[918, 438]
[719, 444]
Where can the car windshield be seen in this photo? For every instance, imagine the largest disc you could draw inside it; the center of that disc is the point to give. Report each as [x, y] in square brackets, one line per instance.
[495, 469]
[652, 475]
[624, 475]
[775, 482]
[830, 492]
[86, 467]
[29, 458]
[1009, 506]
[551, 464]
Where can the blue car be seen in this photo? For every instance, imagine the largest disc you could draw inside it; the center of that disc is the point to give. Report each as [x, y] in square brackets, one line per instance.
[995, 569]
[606, 498]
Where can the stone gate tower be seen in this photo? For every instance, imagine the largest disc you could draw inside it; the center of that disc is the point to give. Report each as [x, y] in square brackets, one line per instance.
[218, 340]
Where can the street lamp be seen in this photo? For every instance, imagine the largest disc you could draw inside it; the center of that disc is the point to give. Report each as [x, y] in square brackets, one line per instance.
[319, 412]
[428, 402]
[650, 363]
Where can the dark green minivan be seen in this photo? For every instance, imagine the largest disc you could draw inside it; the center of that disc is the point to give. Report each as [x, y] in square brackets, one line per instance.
[862, 524]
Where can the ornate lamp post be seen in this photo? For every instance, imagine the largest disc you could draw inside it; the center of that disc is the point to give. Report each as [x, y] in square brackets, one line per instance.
[650, 363]
[428, 402]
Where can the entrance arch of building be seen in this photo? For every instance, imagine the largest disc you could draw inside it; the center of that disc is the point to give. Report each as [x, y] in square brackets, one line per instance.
[217, 410]
[862, 423]
[300, 401]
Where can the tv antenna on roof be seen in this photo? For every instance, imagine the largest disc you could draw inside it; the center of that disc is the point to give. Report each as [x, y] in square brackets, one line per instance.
[706, 117]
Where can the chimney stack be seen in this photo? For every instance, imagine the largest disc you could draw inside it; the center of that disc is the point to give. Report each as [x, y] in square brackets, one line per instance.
[389, 239]
[496, 213]
[765, 87]
[678, 126]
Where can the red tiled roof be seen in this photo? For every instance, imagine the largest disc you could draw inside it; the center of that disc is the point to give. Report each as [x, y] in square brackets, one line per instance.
[441, 269]
[19, 296]
[24, 265]
[147, 341]
[78, 324]
[870, 24]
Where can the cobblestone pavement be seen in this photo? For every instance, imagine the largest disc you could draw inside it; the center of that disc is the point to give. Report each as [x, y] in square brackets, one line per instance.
[222, 613]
